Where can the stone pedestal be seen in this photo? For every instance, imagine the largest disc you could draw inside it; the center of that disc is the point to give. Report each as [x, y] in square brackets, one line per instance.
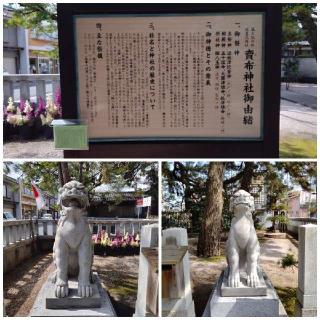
[177, 300]
[47, 305]
[243, 290]
[307, 273]
[73, 300]
[249, 306]
[147, 296]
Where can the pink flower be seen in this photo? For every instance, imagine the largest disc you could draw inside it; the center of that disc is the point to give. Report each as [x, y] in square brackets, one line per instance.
[21, 105]
[41, 107]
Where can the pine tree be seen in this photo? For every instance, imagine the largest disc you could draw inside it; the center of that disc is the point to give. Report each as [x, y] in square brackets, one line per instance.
[210, 231]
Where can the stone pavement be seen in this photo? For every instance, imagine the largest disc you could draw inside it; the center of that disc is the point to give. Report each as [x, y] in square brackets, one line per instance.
[297, 121]
[303, 94]
[272, 251]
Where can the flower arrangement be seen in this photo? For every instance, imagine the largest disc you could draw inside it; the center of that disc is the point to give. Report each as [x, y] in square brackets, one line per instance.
[115, 245]
[31, 119]
[51, 110]
[41, 107]
[21, 115]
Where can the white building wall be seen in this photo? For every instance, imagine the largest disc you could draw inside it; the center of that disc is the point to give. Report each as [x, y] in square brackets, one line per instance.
[23, 42]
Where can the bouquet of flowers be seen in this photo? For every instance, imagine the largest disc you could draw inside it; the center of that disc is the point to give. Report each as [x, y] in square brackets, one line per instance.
[51, 110]
[117, 244]
[21, 115]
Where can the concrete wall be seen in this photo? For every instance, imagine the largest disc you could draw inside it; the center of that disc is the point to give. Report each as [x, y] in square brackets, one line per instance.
[15, 45]
[22, 35]
[293, 225]
[307, 69]
[16, 254]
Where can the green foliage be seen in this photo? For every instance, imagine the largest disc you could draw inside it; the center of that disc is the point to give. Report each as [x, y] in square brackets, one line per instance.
[44, 174]
[187, 181]
[54, 53]
[291, 70]
[301, 173]
[176, 219]
[299, 23]
[279, 219]
[295, 147]
[92, 174]
[313, 208]
[288, 297]
[40, 18]
[291, 31]
[55, 207]
[289, 261]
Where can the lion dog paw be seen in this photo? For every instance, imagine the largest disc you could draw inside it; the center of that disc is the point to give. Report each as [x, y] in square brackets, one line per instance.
[85, 290]
[253, 279]
[62, 289]
[234, 280]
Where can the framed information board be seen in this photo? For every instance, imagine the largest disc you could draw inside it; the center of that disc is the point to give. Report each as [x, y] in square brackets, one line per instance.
[183, 77]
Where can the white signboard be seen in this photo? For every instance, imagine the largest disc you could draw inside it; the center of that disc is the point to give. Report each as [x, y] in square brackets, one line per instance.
[143, 202]
[147, 202]
[171, 76]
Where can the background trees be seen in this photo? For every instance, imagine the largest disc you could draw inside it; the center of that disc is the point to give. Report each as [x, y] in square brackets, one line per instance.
[49, 176]
[299, 20]
[300, 23]
[203, 189]
[38, 17]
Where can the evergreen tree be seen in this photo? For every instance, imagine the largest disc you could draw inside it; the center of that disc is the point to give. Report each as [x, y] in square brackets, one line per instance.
[300, 23]
[210, 231]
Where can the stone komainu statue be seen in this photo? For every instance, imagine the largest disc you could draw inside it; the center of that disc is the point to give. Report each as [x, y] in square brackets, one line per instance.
[243, 248]
[72, 250]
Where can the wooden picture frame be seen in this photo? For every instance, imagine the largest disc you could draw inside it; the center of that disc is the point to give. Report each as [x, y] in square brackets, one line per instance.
[266, 147]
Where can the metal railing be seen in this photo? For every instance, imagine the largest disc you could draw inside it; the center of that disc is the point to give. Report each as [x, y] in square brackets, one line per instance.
[29, 86]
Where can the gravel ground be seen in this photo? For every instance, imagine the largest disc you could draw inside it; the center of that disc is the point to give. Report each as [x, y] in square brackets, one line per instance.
[31, 149]
[21, 285]
[119, 276]
[205, 272]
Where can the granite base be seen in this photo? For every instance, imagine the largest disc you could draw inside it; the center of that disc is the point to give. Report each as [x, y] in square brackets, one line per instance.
[74, 305]
[260, 306]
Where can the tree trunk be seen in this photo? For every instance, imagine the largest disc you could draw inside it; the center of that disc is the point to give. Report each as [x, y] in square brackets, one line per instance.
[64, 174]
[247, 176]
[209, 235]
[81, 172]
